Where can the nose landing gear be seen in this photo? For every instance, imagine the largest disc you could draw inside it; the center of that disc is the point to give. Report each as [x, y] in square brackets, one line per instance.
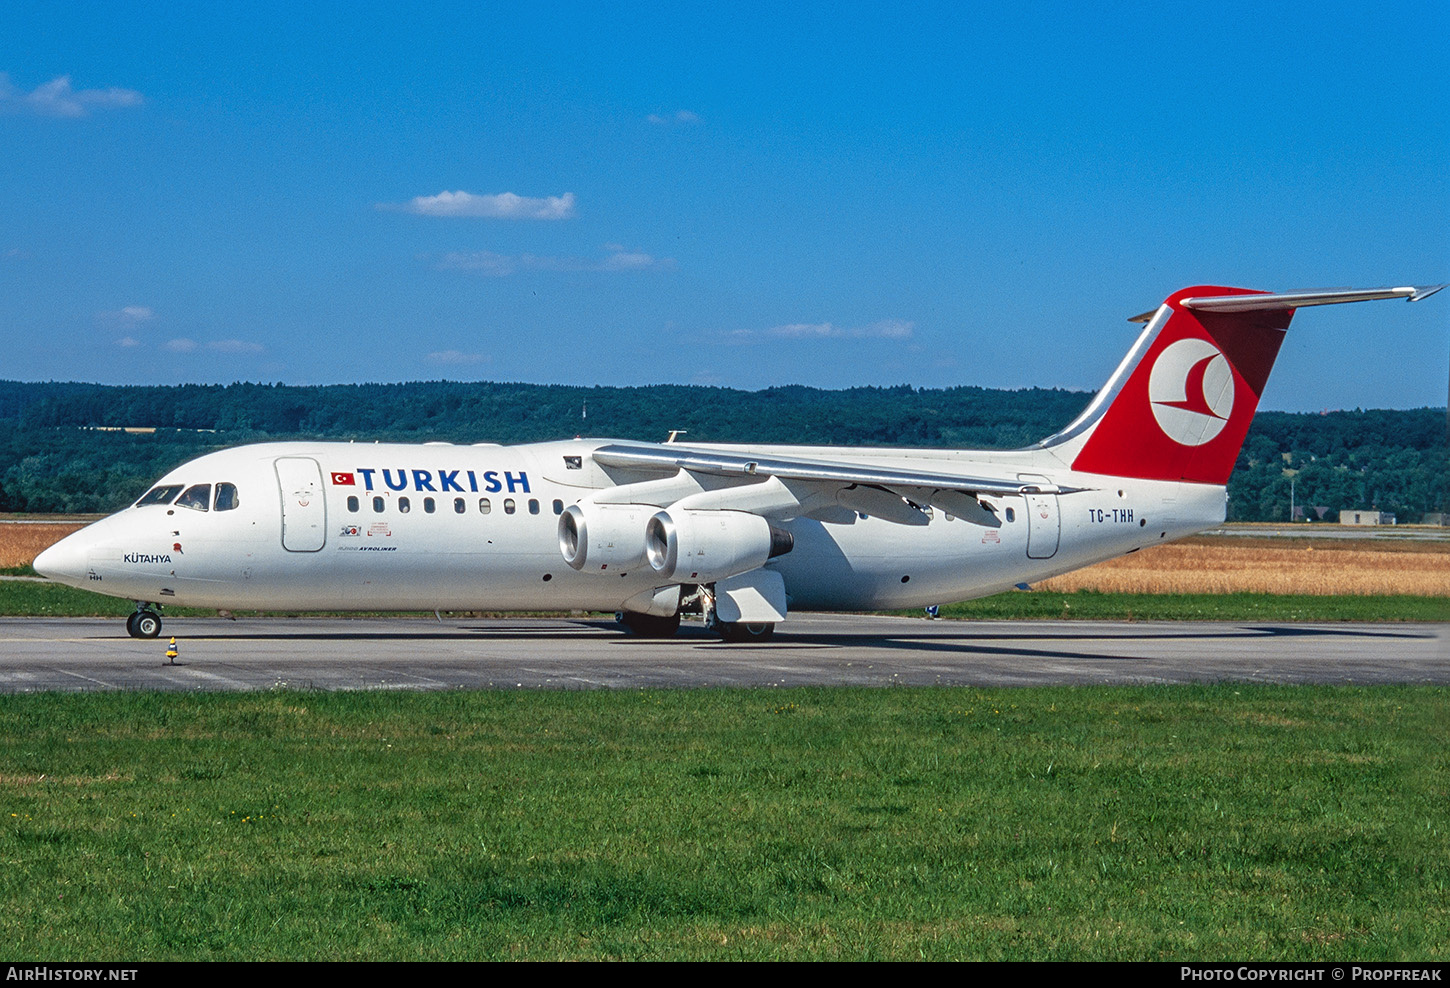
[145, 623]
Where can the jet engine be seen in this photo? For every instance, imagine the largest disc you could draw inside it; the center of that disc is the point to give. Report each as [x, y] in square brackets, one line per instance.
[604, 538]
[708, 545]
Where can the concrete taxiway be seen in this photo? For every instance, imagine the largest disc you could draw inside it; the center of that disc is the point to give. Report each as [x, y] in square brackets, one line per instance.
[811, 650]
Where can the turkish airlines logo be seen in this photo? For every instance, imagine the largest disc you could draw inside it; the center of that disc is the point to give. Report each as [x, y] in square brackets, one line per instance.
[1191, 390]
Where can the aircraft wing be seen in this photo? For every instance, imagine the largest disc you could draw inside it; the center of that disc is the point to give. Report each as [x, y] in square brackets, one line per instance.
[736, 465]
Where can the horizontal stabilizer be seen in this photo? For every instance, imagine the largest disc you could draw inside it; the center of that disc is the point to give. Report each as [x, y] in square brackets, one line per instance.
[1299, 300]
[1262, 302]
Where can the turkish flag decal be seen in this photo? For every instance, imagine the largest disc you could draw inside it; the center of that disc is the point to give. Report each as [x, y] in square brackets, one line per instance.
[342, 479]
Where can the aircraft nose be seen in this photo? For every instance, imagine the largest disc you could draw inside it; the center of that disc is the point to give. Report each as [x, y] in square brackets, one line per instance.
[66, 561]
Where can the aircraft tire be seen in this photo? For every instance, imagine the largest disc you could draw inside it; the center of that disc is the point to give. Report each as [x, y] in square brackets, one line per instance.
[144, 624]
[745, 631]
[649, 625]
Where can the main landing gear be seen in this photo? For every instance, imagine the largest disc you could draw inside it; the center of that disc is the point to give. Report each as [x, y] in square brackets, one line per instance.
[649, 625]
[744, 631]
[145, 623]
[695, 600]
[738, 632]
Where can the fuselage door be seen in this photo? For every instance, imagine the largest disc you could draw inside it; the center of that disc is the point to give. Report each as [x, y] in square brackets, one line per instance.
[1044, 526]
[304, 514]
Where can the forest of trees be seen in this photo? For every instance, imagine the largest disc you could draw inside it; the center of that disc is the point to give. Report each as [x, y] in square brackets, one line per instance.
[53, 457]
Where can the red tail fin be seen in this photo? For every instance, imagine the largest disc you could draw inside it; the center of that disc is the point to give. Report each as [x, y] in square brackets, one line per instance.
[1179, 406]
[1184, 410]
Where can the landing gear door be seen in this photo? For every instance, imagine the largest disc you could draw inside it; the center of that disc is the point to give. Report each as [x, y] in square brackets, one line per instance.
[1044, 525]
[304, 515]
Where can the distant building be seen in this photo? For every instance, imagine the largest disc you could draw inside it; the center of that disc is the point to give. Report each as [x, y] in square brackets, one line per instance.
[1366, 517]
[1435, 518]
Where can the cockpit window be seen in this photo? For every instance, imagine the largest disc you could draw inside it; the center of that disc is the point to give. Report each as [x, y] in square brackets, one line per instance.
[159, 495]
[196, 498]
[226, 497]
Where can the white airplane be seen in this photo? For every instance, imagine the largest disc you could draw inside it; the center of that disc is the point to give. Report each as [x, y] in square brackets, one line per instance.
[740, 534]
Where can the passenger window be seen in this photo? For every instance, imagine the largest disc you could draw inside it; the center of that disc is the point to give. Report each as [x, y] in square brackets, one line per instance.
[159, 495]
[484, 506]
[404, 505]
[226, 497]
[429, 505]
[1011, 515]
[196, 498]
[378, 505]
[533, 505]
[459, 505]
[352, 502]
[558, 506]
[508, 505]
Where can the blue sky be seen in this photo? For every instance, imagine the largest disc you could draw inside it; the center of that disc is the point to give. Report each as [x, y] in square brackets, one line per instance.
[935, 195]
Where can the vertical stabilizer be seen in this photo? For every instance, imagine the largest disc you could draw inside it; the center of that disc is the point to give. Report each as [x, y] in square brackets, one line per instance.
[1184, 410]
[1179, 406]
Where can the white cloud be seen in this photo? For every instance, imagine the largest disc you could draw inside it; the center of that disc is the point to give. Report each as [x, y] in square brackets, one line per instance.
[235, 346]
[504, 206]
[885, 329]
[128, 341]
[484, 262]
[490, 264]
[457, 357]
[57, 98]
[184, 345]
[678, 117]
[126, 317]
[621, 259]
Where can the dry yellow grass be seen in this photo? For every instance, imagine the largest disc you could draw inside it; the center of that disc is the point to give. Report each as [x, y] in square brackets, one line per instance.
[21, 543]
[1282, 567]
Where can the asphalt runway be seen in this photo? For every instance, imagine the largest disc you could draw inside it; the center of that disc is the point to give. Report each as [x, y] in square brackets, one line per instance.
[1379, 533]
[810, 650]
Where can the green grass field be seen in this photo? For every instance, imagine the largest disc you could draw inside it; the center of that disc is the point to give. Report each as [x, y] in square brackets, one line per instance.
[1213, 822]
